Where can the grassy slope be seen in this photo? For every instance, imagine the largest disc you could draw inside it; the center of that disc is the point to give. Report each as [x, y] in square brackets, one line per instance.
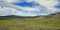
[30, 24]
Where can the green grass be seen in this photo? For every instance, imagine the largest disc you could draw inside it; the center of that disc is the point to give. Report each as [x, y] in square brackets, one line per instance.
[30, 24]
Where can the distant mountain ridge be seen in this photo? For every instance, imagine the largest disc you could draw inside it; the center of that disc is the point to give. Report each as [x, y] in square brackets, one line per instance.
[14, 16]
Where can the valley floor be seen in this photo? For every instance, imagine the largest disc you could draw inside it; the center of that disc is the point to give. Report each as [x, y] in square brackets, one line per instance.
[30, 24]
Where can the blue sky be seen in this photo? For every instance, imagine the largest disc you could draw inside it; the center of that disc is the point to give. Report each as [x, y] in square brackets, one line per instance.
[28, 7]
[57, 6]
[26, 4]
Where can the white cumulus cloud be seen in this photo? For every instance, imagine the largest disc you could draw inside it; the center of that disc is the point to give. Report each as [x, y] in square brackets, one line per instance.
[10, 9]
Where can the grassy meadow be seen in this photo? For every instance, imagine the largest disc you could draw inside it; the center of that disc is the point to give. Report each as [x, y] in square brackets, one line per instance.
[39, 23]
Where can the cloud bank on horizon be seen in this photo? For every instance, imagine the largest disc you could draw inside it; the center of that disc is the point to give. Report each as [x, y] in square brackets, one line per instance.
[28, 7]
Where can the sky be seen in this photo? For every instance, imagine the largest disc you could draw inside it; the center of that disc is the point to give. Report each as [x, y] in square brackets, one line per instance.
[28, 7]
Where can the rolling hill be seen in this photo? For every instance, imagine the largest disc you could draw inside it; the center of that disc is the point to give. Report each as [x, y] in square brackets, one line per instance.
[50, 22]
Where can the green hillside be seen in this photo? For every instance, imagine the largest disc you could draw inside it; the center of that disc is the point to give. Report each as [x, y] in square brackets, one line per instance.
[50, 22]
